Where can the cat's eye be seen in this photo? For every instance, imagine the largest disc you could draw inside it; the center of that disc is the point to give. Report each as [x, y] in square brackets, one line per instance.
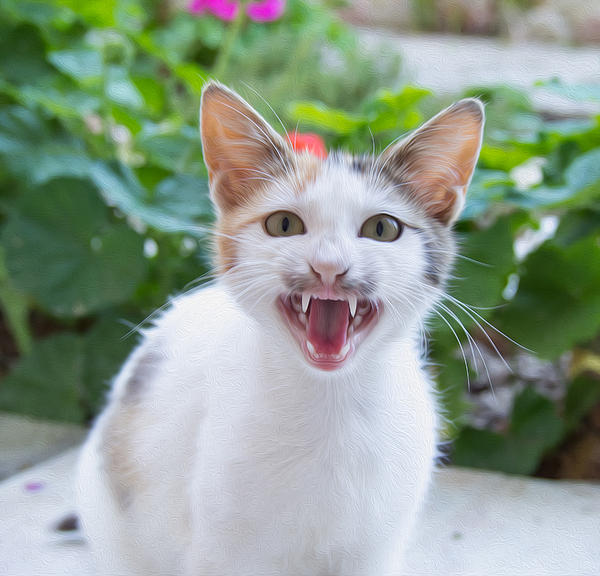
[284, 224]
[381, 227]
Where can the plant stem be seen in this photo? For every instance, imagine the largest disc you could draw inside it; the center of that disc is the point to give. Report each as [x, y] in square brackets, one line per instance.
[224, 56]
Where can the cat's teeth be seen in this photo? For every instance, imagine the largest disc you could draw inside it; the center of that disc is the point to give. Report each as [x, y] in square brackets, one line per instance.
[352, 301]
[342, 354]
[305, 301]
[357, 321]
[302, 318]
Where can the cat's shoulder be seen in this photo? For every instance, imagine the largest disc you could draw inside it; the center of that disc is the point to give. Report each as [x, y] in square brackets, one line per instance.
[210, 307]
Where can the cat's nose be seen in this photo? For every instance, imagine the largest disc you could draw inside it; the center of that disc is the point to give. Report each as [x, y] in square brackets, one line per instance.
[328, 272]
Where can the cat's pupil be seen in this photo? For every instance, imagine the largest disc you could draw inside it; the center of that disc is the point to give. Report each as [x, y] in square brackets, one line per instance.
[379, 228]
[285, 224]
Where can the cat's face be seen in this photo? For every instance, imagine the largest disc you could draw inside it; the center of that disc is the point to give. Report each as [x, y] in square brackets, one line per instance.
[338, 253]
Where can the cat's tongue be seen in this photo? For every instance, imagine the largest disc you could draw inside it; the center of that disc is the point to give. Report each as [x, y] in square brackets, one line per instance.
[327, 325]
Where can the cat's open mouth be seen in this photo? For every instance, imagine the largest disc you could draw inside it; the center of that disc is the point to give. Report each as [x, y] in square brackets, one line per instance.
[328, 331]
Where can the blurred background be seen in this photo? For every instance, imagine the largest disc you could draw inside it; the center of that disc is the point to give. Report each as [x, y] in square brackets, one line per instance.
[104, 211]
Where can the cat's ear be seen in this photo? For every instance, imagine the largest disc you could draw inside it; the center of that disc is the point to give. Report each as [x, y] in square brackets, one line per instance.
[240, 149]
[436, 162]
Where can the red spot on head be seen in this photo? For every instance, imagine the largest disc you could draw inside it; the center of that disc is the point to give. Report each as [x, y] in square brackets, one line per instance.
[313, 143]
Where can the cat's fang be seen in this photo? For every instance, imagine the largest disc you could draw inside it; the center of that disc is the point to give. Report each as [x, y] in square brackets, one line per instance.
[305, 301]
[352, 301]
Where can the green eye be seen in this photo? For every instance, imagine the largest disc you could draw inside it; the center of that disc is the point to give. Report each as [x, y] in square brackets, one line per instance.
[381, 227]
[284, 224]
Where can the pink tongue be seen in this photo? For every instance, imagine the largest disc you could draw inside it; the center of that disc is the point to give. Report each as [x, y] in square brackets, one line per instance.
[328, 325]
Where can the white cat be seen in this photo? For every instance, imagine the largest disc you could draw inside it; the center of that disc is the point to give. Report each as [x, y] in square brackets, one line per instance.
[280, 421]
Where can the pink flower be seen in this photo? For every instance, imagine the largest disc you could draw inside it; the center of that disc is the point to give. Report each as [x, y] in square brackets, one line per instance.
[266, 10]
[261, 11]
[223, 9]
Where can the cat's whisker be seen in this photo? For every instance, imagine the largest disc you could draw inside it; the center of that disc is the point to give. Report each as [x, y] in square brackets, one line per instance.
[266, 102]
[293, 156]
[267, 137]
[489, 339]
[148, 318]
[472, 309]
[443, 318]
[472, 343]
[461, 256]
[470, 339]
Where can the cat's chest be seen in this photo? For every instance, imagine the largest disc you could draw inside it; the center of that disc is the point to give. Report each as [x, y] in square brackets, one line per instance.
[319, 443]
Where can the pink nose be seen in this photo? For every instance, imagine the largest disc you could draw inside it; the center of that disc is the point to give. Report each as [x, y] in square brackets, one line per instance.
[328, 272]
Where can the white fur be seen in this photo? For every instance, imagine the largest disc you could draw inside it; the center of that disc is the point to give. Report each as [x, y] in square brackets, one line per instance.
[249, 462]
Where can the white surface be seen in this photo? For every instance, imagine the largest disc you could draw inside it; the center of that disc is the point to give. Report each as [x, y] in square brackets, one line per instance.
[449, 64]
[476, 523]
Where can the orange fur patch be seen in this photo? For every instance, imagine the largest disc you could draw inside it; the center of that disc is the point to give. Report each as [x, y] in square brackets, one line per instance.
[233, 219]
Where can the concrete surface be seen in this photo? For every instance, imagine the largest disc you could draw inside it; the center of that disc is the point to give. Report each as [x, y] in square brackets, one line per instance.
[25, 442]
[449, 64]
[475, 523]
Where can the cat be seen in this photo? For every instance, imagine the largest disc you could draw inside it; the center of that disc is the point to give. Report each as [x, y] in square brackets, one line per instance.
[281, 421]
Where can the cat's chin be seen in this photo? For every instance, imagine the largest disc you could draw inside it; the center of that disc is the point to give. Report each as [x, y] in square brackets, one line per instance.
[328, 331]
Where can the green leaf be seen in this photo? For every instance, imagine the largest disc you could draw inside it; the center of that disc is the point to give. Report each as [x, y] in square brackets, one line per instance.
[20, 129]
[583, 175]
[67, 376]
[535, 429]
[192, 75]
[557, 304]
[47, 382]
[60, 98]
[575, 226]
[15, 309]
[178, 204]
[121, 90]
[396, 110]
[63, 250]
[22, 55]
[97, 13]
[173, 44]
[487, 189]
[487, 261]
[45, 15]
[153, 93]
[172, 148]
[34, 152]
[582, 92]
[330, 119]
[83, 65]
[451, 383]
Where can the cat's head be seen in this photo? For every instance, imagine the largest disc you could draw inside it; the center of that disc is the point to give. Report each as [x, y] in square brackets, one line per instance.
[342, 253]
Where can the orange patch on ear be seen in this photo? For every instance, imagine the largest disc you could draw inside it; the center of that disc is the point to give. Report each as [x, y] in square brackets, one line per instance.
[437, 161]
[240, 149]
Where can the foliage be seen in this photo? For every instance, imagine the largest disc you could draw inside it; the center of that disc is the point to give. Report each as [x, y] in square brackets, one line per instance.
[104, 206]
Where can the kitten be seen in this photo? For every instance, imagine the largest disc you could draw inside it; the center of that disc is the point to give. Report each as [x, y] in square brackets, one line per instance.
[280, 421]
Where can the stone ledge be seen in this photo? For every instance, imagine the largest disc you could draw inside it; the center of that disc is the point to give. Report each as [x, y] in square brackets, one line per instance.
[25, 442]
[475, 523]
